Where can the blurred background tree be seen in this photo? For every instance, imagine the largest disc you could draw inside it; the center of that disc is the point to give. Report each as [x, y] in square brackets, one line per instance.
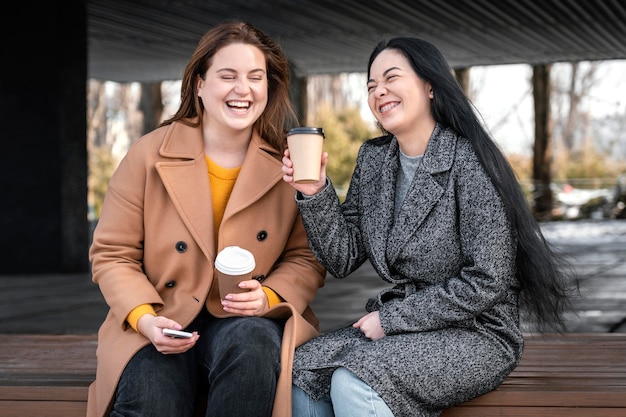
[345, 131]
[101, 167]
[588, 152]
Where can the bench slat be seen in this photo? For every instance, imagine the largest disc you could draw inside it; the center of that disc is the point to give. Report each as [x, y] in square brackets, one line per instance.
[43, 409]
[552, 398]
[531, 412]
[42, 393]
[569, 375]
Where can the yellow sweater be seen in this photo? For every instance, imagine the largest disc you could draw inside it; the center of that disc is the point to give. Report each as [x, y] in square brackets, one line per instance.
[222, 181]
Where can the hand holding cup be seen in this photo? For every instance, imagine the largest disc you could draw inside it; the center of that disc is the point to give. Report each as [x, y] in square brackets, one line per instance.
[233, 265]
[304, 161]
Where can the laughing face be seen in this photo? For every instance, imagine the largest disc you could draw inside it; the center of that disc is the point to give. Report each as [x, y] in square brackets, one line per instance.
[397, 97]
[234, 89]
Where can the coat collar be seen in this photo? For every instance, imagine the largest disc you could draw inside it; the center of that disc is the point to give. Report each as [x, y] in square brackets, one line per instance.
[440, 151]
[182, 141]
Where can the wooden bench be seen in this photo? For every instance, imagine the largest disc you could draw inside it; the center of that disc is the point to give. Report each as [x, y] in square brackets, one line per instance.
[571, 375]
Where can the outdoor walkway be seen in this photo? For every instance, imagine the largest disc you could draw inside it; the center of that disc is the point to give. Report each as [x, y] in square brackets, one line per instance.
[72, 304]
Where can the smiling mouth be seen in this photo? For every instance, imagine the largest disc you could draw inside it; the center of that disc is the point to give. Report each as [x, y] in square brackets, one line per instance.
[238, 105]
[387, 107]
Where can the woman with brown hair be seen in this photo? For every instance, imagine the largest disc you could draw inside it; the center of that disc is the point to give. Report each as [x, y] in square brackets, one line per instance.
[208, 178]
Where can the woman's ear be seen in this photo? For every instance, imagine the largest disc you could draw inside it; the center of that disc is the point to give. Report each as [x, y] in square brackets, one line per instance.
[199, 84]
[431, 95]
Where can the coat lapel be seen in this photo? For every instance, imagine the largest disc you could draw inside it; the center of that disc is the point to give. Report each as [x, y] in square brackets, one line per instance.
[258, 174]
[186, 180]
[378, 197]
[425, 191]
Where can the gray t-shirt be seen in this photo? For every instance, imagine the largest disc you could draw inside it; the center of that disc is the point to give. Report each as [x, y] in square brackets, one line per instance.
[408, 167]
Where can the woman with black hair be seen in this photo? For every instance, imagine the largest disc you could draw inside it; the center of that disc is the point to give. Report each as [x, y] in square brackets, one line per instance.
[435, 207]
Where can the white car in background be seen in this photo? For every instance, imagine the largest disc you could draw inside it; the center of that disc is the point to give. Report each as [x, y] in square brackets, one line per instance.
[577, 203]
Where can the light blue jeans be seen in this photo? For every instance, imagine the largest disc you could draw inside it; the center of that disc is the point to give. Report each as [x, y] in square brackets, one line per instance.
[349, 396]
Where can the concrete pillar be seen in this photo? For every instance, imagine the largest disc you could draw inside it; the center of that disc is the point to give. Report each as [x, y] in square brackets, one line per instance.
[463, 78]
[298, 95]
[151, 104]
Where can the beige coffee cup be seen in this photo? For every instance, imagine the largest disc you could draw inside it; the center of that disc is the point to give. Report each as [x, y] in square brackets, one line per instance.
[233, 265]
[305, 147]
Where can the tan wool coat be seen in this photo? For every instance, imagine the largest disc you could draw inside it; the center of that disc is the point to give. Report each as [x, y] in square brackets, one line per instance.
[154, 243]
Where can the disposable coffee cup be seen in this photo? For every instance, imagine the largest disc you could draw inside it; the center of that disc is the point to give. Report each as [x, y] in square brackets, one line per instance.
[305, 147]
[233, 265]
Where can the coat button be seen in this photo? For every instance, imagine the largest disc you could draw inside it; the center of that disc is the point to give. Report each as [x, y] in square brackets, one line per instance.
[261, 236]
[259, 278]
[170, 284]
[181, 247]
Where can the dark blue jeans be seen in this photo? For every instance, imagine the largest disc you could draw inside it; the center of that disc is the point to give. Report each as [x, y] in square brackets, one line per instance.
[232, 372]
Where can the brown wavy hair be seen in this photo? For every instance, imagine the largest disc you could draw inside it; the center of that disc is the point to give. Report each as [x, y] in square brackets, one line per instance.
[279, 113]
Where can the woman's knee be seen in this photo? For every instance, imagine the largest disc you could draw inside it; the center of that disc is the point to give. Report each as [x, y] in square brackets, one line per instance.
[349, 393]
[345, 383]
[305, 406]
[255, 331]
[230, 345]
[156, 384]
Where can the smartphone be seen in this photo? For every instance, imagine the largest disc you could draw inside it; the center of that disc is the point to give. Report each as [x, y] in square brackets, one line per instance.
[177, 333]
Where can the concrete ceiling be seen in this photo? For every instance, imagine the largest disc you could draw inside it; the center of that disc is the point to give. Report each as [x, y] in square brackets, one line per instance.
[151, 40]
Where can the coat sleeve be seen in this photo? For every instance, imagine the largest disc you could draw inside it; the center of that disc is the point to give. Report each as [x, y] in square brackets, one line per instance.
[333, 229]
[116, 251]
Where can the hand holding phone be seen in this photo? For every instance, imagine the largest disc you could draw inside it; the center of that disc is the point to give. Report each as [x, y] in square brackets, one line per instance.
[179, 334]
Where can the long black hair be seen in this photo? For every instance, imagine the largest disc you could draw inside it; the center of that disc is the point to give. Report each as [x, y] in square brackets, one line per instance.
[544, 276]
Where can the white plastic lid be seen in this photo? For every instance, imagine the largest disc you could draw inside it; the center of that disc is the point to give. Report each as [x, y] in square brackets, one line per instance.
[233, 260]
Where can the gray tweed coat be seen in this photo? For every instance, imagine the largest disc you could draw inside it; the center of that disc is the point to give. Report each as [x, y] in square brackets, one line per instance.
[450, 314]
